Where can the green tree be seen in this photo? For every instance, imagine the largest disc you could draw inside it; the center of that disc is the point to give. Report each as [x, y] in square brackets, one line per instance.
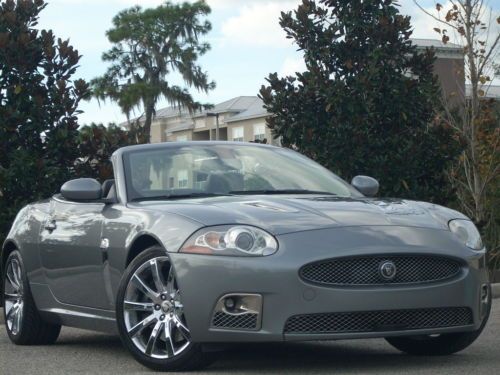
[476, 174]
[367, 102]
[96, 144]
[149, 46]
[38, 108]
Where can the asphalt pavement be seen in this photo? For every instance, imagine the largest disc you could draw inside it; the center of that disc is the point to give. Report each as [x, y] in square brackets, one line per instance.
[86, 352]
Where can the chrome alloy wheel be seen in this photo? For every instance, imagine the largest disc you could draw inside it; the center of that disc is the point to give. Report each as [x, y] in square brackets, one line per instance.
[13, 296]
[153, 312]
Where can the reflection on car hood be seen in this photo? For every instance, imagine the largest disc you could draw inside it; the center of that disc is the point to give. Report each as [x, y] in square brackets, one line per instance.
[292, 213]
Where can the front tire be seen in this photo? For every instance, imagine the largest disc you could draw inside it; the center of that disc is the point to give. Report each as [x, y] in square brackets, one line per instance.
[150, 315]
[444, 344]
[23, 322]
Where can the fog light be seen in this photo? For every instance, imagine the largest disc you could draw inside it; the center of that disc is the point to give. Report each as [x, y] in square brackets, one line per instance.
[229, 303]
[485, 293]
[485, 300]
[240, 311]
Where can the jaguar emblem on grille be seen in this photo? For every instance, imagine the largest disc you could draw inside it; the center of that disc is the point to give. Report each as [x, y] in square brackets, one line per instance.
[388, 270]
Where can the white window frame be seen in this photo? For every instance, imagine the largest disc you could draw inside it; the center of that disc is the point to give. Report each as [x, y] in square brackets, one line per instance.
[259, 132]
[238, 134]
[182, 178]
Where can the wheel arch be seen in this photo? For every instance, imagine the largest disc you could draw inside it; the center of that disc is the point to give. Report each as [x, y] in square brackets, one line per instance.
[8, 247]
[141, 243]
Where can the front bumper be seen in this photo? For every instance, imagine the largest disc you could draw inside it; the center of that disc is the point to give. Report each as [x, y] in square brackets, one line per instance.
[204, 279]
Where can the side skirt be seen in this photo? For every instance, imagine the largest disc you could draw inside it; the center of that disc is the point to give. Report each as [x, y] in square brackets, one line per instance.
[54, 311]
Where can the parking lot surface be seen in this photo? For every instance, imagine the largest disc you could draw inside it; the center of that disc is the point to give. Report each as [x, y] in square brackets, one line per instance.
[79, 351]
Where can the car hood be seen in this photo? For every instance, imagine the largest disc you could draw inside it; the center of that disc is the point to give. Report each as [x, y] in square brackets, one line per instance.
[291, 213]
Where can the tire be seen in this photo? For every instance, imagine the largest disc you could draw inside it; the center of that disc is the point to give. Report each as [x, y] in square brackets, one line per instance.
[444, 344]
[23, 322]
[154, 316]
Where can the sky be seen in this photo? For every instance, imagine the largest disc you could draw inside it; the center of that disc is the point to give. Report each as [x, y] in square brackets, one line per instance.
[247, 43]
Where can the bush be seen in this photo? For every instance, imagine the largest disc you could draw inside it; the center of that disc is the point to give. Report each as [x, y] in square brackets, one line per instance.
[38, 109]
[96, 144]
[367, 102]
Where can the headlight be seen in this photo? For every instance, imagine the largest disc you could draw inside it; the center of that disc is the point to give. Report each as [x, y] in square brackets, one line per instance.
[467, 232]
[237, 240]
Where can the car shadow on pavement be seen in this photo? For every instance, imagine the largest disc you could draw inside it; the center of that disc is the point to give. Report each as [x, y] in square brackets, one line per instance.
[89, 338]
[278, 358]
[85, 351]
[319, 357]
[106, 353]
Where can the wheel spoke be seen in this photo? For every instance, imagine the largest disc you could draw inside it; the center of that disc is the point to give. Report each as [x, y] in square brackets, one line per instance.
[153, 338]
[9, 305]
[182, 328]
[135, 330]
[11, 296]
[11, 278]
[170, 283]
[179, 307]
[17, 274]
[160, 287]
[138, 306]
[14, 316]
[19, 317]
[11, 313]
[169, 343]
[16, 321]
[145, 289]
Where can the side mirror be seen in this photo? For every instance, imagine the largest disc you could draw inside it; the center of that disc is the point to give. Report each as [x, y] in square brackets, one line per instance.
[368, 186]
[82, 189]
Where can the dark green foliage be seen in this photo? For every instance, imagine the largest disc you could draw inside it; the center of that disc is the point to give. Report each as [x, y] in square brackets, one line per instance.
[38, 108]
[96, 144]
[367, 102]
[149, 46]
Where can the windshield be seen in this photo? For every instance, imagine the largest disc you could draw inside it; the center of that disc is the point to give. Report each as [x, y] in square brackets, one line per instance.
[178, 171]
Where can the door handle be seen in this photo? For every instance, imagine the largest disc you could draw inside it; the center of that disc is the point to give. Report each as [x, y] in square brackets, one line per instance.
[50, 225]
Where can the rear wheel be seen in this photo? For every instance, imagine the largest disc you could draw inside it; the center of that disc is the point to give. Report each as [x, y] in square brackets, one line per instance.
[22, 319]
[150, 315]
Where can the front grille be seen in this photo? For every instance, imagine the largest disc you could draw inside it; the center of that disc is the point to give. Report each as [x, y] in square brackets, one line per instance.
[379, 321]
[365, 270]
[244, 321]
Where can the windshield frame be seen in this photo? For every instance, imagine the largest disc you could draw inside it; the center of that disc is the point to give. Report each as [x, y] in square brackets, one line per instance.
[127, 152]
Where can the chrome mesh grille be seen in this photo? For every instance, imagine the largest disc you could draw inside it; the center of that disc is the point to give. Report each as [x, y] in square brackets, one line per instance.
[244, 321]
[365, 270]
[379, 321]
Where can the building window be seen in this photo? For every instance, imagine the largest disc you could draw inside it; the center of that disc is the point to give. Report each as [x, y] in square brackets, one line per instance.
[181, 138]
[182, 178]
[238, 134]
[259, 132]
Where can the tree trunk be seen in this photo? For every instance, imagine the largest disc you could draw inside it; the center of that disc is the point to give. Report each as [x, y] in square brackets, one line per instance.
[149, 108]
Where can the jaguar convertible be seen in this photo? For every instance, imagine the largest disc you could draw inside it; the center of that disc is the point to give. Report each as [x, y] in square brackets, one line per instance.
[196, 245]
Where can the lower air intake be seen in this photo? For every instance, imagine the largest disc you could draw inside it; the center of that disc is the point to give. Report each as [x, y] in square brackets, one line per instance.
[379, 321]
[244, 321]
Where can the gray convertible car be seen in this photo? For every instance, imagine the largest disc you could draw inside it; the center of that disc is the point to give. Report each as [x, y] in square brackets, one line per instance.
[196, 245]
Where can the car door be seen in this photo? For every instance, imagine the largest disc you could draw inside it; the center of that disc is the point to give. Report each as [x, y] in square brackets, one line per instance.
[70, 250]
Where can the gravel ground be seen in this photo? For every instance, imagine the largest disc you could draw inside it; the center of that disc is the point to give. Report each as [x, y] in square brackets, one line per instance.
[79, 351]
